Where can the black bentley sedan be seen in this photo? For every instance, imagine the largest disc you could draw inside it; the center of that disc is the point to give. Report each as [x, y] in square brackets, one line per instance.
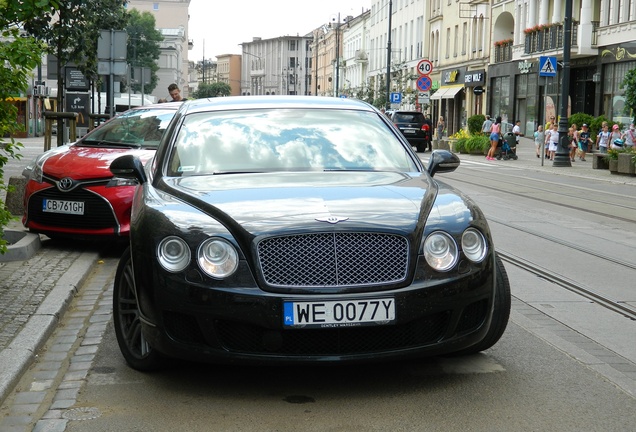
[297, 230]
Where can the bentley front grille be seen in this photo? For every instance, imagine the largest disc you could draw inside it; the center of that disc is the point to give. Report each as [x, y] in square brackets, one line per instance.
[333, 259]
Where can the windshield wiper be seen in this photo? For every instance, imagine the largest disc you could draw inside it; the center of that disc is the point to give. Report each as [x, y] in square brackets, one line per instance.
[98, 143]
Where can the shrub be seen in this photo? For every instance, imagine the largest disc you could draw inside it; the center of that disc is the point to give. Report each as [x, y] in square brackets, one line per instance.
[460, 146]
[580, 119]
[477, 143]
[475, 122]
[460, 134]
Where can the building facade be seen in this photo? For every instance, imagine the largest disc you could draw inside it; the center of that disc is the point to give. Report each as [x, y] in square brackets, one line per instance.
[602, 51]
[171, 19]
[281, 65]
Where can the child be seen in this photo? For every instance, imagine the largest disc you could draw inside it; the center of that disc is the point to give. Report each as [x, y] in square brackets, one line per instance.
[585, 139]
[574, 141]
[552, 139]
[539, 139]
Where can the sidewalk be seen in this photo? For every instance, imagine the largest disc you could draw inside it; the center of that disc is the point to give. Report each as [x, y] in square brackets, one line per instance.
[36, 291]
[579, 169]
[34, 294]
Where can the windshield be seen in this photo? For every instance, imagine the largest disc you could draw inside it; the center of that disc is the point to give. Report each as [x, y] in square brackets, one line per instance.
[286, 140]
[143, 127]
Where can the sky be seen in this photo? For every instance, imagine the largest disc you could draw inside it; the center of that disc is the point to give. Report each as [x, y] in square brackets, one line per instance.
[223, 25]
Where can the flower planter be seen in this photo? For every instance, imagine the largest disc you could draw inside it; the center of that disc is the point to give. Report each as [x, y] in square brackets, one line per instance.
[625, 164]
[446, 144]
[613, 166]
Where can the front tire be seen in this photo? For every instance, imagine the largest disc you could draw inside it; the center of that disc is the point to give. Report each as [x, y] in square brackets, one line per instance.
[132, 344]
[500, 314]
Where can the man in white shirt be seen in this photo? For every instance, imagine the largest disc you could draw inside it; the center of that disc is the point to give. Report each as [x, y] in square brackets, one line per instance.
[516, 131]
[486, 125]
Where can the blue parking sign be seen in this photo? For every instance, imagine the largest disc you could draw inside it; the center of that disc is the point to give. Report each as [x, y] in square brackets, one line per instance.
[396, 98]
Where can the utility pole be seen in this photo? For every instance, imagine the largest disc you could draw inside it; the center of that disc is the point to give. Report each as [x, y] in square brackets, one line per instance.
[388, 58]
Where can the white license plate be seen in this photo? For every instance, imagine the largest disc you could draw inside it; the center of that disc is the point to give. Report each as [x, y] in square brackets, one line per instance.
[61, 206]
[344, 313]
[410, 131]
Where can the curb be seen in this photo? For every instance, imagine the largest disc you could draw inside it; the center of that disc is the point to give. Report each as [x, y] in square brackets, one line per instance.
[22, 245]
[16, 358]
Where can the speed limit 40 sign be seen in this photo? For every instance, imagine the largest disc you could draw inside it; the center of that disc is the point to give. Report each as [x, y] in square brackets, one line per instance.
[424, 67]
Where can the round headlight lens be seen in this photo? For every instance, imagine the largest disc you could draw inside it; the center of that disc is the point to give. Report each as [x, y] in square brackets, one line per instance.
[173, 254]
[440, 251]
[217, 258]
[474, 245]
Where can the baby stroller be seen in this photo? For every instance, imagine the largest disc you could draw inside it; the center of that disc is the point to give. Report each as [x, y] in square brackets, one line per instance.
[507, 147]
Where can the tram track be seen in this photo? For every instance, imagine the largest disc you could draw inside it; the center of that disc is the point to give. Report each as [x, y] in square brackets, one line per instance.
[575, 287]
[582, 203]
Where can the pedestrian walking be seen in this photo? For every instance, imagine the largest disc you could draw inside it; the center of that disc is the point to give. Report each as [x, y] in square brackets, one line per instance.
[629, 137]
[585, 140]
[552, 139]
[440, 129]
[539, 140]
[574, 141]
[603, 139]
[495, 135]
[615, 141]
[485, 126]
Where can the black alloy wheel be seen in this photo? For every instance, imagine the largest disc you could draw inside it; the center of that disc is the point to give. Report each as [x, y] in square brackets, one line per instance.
[134, 347]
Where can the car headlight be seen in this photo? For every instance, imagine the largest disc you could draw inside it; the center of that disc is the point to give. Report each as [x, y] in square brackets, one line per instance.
[217, 257]
[33, 171]
[474, 245]
[440, 251]
[118, 181]
[173, 254]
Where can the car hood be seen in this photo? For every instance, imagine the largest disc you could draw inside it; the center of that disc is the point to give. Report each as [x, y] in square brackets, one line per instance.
[81, 162]
[260, 203]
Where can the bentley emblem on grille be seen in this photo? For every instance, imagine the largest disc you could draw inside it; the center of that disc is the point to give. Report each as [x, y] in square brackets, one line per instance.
[332, 219]
[65, 184]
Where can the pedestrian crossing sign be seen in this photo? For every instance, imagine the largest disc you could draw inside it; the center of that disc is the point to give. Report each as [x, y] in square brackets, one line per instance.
[547, 66]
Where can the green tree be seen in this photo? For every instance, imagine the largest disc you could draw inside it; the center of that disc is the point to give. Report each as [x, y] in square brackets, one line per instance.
[629, 82]
[217, 89]
[20, 56]
[72, 32]
[144, 47]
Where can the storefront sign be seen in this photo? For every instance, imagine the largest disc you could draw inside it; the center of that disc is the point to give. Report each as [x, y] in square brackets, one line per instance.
[475, 78]
[451, 76]
[478, 90]
[525, 66]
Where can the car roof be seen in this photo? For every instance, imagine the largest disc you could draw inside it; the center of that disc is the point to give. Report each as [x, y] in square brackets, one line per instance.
[408, 112]
[165, 105]
[275, 102]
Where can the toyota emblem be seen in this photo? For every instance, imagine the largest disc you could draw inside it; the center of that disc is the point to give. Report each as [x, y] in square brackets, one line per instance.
[65, 184]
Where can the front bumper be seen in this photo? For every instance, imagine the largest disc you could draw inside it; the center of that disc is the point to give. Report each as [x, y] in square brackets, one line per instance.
[197, 322]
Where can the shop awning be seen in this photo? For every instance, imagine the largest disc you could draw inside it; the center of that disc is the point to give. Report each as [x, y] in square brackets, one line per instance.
[451, 92]
[439, 93]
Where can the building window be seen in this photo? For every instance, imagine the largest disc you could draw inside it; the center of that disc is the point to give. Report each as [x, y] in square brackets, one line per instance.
[155, 6]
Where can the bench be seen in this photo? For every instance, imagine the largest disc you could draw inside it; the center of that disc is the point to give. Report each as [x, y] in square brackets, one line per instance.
[599, 161]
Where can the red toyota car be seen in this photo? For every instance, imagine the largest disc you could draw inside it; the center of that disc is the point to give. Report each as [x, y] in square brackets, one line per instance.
[70, 191]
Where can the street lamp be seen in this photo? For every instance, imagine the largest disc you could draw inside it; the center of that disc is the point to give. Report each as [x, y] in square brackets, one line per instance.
[337, 27]
[562, 156]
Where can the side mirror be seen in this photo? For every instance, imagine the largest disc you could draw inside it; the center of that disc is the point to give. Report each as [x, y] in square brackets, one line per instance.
[129, 167]
[442, 161]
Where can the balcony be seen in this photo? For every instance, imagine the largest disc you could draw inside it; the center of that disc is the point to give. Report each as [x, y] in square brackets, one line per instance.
[543, 38]
[503, 51]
